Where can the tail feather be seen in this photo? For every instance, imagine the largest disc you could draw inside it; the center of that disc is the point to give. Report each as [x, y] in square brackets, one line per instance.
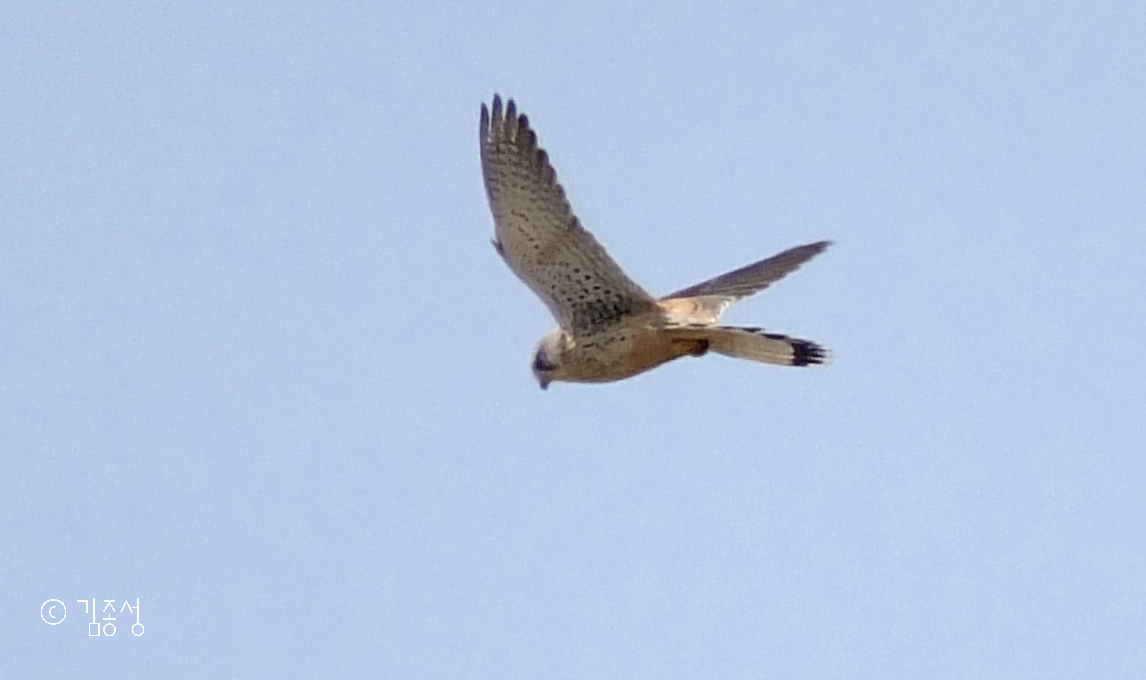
[756, 344]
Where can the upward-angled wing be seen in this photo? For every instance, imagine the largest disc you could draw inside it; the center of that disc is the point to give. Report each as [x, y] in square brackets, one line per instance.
[540, 238]
[754, 277]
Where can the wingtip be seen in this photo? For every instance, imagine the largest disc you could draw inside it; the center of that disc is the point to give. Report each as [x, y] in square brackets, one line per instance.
[496, 115]
[499, 114]
[511, 112]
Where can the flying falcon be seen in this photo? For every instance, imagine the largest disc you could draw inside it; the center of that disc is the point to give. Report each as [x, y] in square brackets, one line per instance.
[610, 328]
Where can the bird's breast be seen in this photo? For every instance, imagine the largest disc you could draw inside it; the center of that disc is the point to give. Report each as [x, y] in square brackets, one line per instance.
[622, 353]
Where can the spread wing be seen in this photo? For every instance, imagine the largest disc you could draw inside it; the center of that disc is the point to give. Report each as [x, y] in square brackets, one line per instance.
[539, 237]
[755, 277]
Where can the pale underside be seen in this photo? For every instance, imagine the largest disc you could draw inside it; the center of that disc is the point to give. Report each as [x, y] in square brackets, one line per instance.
[612, 328]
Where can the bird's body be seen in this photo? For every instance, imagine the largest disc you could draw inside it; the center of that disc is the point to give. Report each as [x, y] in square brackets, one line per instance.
[610, 328]
[617, 352]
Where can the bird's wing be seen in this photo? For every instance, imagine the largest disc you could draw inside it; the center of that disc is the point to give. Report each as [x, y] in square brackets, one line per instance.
[539, 236]
[754, 277]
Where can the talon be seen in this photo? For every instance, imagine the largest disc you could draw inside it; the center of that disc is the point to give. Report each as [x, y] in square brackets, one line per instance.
[701, 348]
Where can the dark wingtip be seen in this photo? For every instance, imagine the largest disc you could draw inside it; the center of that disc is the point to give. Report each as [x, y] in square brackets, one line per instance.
[814, 249]
[511, 111]
[496, 115]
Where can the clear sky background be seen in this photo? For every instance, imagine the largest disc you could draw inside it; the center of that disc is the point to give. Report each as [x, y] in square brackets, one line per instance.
[261, 369]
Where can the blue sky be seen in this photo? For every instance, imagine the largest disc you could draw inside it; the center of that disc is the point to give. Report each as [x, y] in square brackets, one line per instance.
[262, 370]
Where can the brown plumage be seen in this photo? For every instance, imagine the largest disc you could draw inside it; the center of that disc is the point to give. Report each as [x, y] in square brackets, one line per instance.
[610, 328]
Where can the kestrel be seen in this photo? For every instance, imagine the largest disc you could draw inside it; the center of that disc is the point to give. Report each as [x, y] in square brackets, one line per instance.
[610, 328]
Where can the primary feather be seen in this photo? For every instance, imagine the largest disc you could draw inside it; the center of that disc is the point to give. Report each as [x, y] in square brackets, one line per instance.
[541, 239]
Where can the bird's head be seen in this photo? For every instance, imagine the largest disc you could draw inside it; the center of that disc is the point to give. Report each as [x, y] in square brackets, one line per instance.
[547, 357]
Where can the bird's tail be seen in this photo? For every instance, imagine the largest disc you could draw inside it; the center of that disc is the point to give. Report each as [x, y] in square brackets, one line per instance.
[755, 344]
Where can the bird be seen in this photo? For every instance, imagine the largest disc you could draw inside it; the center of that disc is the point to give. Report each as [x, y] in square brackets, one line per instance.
[609, 328]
